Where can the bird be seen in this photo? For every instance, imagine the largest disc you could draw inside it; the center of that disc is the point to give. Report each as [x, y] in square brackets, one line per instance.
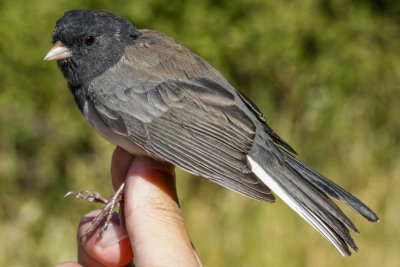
[143, 91]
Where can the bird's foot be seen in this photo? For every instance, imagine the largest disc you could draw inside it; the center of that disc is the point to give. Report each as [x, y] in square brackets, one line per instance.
[105, 215]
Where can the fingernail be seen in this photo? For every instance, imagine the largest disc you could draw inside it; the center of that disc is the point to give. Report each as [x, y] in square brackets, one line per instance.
[112, 235]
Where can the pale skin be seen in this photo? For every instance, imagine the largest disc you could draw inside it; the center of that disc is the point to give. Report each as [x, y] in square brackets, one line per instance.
[155, 233]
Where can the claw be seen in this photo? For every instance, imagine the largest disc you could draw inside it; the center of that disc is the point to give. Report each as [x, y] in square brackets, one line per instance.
[103, 219]
[91, 196]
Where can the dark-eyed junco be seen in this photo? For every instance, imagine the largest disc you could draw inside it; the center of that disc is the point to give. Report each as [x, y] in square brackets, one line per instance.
[143, 91]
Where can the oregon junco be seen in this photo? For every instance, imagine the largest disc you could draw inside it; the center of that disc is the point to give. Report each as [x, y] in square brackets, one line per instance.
[143, 91]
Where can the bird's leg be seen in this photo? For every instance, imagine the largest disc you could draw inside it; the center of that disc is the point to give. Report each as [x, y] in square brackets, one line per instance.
[91, 196]
[106, 213]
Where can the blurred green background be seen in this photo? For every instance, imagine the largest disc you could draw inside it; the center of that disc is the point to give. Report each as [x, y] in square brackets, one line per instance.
[326, 74]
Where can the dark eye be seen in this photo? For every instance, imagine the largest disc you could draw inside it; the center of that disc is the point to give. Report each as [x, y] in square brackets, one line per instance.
[89, 40]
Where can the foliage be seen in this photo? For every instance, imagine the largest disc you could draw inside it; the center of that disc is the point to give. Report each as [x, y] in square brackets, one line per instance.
[325, 72]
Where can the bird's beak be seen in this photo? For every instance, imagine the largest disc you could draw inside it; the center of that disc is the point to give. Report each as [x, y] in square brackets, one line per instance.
[58, 51]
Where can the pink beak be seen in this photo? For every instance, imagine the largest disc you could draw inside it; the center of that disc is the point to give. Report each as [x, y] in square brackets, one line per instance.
[58, 51]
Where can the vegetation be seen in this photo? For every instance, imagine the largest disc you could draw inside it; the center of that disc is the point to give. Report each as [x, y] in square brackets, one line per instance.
[325, 72]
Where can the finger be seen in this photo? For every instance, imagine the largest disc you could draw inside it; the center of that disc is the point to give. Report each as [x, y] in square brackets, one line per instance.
[153, 218]
[121, 160]
[112, 249]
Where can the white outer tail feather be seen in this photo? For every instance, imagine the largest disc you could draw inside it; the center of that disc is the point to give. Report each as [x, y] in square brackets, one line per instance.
[305, 213]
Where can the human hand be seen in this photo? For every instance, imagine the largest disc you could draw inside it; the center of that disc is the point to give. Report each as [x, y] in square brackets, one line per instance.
[155, 233]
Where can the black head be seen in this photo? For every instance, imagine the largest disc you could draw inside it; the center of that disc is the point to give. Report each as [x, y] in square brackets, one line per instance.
[93, 40]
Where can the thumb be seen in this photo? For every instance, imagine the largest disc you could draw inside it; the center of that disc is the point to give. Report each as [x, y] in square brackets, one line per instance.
[153, 218]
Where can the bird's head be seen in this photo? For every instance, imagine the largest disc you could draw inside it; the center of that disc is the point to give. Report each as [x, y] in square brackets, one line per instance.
[88, 42]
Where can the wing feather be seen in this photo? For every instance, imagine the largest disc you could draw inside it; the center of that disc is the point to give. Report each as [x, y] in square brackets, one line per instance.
[194, 124]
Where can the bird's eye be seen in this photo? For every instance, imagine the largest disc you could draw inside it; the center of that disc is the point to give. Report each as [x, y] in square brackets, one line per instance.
[89, 40]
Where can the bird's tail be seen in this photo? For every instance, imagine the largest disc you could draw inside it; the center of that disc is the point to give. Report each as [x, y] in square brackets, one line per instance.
[306, 192]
